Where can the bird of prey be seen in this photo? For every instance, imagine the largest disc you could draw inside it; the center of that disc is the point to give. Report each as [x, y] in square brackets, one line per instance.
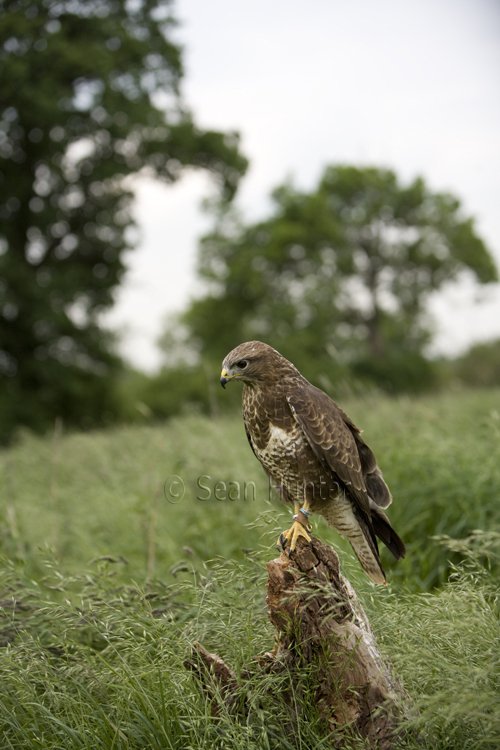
[314, 453]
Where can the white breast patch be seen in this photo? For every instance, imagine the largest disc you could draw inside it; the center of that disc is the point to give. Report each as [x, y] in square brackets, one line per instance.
[280, 454]
[279, 435]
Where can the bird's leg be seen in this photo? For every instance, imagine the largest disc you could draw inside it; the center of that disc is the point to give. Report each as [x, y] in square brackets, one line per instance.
[284, 536]
[300, 527]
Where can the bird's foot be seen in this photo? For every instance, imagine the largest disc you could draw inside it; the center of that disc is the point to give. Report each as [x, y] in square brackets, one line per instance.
[298, 529]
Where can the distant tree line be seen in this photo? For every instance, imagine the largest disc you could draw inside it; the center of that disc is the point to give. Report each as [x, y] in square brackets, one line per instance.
[337, 279]
[176, 389]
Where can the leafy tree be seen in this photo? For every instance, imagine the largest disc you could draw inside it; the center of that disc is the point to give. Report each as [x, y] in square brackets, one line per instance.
[338, 277]
[89, 96]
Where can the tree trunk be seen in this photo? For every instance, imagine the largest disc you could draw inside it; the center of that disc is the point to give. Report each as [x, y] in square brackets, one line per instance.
[321, 626]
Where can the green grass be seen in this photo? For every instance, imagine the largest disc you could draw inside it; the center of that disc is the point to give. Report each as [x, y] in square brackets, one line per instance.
[446, 647]
[89, 663]
[102, 493]
[92, 652]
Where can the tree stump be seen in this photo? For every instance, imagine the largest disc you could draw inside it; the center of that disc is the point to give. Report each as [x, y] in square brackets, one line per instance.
[320, 624]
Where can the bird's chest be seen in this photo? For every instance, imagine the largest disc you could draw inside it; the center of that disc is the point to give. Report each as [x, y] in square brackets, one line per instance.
[282, 453]
[277, 440]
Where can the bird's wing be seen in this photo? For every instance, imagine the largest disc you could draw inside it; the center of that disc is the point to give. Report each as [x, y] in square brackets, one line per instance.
[374, 482]
[249, 439]
[331, 439]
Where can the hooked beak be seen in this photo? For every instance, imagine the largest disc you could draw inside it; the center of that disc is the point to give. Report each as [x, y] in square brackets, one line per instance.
[225, 377]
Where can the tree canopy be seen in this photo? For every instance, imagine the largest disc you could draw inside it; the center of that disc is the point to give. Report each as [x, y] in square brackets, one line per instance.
[338, 278]
[89, 96]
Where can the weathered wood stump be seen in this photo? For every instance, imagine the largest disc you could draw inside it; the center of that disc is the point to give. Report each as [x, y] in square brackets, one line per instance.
[321, 625]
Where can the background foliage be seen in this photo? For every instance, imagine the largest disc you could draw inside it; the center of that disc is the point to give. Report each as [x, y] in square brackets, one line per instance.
[89, 97]
[338, 279]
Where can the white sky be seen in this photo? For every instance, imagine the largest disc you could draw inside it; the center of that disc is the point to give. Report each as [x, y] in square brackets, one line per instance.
[413, 85]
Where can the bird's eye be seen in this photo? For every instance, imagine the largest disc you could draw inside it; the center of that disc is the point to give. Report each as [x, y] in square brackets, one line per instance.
[242, 364]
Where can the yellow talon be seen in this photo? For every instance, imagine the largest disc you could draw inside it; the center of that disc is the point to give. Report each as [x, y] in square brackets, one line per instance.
[293, 534]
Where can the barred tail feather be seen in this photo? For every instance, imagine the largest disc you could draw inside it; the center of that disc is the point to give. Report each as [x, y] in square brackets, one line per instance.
[383, 529]
[365, 548]
[355, 527]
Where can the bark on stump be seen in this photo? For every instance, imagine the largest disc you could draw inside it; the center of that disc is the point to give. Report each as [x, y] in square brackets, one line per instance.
[320, 624]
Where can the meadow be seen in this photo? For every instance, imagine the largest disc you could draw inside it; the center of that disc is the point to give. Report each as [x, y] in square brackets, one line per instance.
[122, 547]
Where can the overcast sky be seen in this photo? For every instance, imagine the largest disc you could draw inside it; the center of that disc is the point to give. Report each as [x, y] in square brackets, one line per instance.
[413, 85]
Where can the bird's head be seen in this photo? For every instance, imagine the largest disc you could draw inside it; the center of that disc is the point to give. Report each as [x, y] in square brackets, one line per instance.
[250, 362]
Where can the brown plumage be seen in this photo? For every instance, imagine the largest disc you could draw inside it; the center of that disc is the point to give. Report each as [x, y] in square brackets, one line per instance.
[314, 452]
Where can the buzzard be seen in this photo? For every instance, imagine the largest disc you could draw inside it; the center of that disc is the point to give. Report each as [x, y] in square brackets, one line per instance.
[314, 453]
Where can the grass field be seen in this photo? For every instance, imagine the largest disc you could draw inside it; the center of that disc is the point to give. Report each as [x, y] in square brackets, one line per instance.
[93, 649]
